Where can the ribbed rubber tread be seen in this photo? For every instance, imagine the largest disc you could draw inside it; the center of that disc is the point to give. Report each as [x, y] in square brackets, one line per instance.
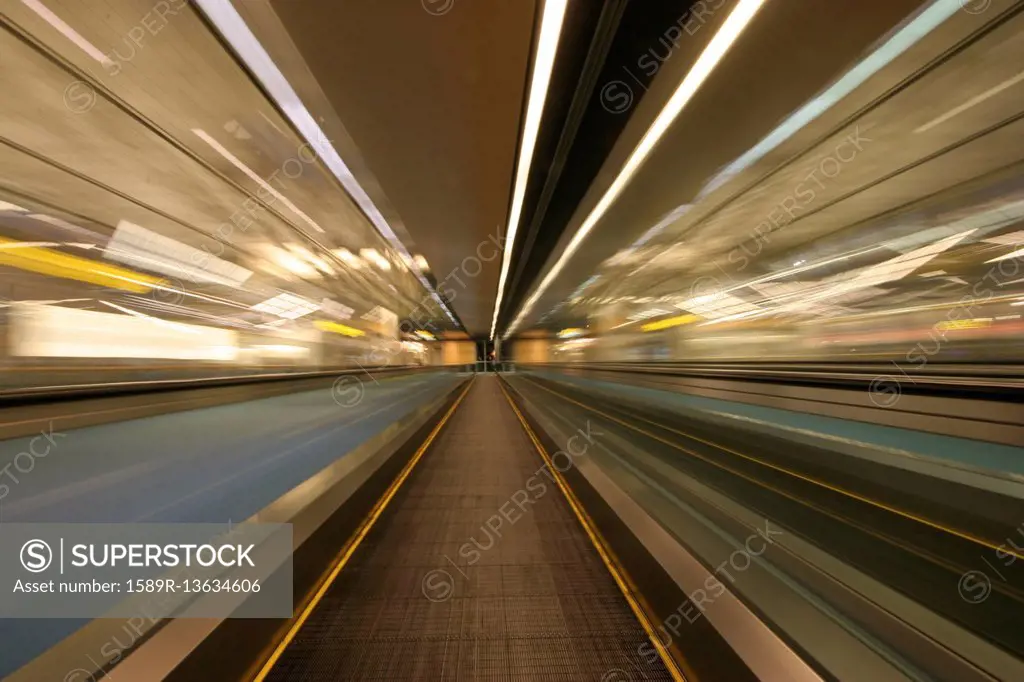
[433, 593]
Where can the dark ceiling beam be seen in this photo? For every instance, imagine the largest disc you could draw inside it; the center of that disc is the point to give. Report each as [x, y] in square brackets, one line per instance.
[624, 33]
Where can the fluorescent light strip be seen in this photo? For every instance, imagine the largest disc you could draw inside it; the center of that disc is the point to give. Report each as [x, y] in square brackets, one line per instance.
[973, 102]
[1016, 254]
[71, 34]
[543, 65]
[27, 245]
[237, 163]
[738, 20]
[234, 29]
[903, 40]
[288, 306]
[134, 244]
[348, 258]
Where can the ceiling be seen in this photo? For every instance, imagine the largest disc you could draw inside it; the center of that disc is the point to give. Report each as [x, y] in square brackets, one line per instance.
[431, 93]
[377, 144]
[133, 115]
[130, 116]
[900, 162]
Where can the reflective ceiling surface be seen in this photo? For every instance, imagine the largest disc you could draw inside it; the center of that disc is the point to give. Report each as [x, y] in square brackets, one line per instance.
[135, 113]
[138, 140]
[901, 193]
[431, 93]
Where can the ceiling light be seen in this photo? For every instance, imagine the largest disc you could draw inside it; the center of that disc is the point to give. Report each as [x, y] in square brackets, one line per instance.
[288, 306]
[421, 262]
[71, 34]
[323, 266]
[135, 245]
[543, 65]
[4, 206]
[1015, 254]
[27, 245]
[348, 258]
[335, 309]
[737, 20]
[311, 258]
[647, 314]
[300, 251]
[424, 334]
[373, 256]
[289, 261]
[53, 331]
[719, 304]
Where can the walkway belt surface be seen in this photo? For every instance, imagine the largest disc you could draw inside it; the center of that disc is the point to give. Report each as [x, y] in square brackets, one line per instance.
[434, 593]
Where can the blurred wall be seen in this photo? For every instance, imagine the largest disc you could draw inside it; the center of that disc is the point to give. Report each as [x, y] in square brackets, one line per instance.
[531, 351]
[458, 352]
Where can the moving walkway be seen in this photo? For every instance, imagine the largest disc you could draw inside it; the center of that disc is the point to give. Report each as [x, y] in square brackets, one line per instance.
[477, 563]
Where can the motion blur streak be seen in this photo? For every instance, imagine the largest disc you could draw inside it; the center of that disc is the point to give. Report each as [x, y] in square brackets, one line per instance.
[29, 256]
[51, 331]
[730, 31]
[543, 64]
[923, 24]
[613, 340]
[234, 29]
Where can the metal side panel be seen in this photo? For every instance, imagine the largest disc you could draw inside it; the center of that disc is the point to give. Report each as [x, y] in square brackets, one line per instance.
[477, 570]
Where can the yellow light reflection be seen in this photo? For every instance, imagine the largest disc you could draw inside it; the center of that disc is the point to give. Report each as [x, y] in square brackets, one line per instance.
[669, 322]
[48, 262]
[343, 329]
[964, 324]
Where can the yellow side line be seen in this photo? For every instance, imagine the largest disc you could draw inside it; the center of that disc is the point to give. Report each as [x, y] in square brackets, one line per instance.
[617, 572]
[964, 535]
[353, 544]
